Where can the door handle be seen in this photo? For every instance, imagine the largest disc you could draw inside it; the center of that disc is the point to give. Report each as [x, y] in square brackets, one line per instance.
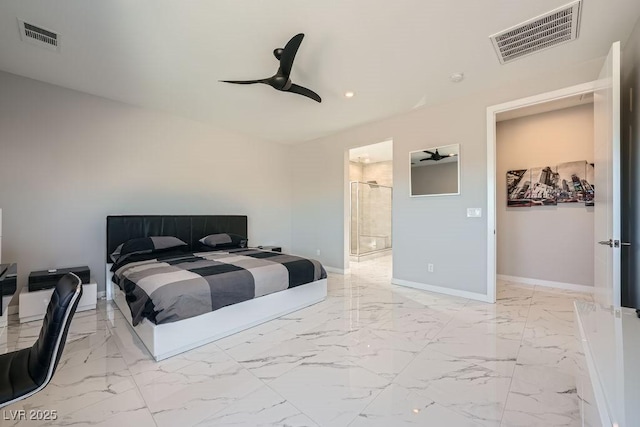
[606, 243]
[618, 243]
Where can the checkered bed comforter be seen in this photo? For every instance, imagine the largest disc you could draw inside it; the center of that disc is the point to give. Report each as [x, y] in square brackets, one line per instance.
[179, 286]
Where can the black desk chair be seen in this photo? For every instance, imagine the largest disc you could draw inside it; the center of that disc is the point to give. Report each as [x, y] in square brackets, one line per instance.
[27, 371]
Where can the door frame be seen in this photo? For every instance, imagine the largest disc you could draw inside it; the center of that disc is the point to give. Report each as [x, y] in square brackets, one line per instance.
[347, 201]
[492, 112]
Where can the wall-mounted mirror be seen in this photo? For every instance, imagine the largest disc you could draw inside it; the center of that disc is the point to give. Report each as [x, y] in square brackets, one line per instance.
[435, 171]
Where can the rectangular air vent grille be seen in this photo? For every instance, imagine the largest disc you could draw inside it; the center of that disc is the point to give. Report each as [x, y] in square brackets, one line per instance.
[551, 29]
[40, 34]
[37, 35]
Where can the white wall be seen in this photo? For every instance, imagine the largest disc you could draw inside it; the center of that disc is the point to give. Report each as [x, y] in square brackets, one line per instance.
[68, 159]
[553, 243]
[425, 229]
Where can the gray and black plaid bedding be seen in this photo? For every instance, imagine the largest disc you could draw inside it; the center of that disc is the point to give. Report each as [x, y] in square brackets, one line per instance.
[178, 286]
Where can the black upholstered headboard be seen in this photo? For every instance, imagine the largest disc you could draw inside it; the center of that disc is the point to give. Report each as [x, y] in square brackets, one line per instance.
[189, 228]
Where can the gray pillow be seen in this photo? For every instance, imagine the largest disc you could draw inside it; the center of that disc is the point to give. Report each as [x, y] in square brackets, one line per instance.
[224, 240]
[145, 245]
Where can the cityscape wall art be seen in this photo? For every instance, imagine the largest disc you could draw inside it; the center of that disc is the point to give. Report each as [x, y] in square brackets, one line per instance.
[570, 182]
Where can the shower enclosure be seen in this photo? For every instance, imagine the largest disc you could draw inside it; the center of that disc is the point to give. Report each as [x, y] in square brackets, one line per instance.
[370, 219]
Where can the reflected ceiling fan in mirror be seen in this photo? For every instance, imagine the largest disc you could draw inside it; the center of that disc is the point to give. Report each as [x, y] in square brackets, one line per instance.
[436, 157]
[280, 80]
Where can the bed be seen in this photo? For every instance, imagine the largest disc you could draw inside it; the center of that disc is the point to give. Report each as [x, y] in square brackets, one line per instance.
[172, 337]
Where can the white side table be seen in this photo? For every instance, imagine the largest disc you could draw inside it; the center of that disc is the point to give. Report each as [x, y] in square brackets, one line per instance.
[33, 305]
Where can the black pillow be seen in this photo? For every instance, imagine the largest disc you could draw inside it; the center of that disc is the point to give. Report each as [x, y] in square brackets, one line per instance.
[145, 245]
[224, 240]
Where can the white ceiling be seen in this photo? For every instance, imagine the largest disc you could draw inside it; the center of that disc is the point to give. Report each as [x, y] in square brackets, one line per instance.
[169, 55]
[374, 153]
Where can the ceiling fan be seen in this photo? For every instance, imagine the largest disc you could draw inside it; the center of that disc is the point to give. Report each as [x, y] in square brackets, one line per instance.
[436, 157]
[280, 80]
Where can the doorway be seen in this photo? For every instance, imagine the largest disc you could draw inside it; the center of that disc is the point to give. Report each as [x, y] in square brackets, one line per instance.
[537, 101]
[370, 201]
[545, 207]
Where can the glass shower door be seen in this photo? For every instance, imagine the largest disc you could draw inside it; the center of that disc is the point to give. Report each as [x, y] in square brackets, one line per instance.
[371, 207]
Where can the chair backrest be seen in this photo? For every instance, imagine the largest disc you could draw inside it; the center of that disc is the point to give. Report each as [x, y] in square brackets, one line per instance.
[45, 354]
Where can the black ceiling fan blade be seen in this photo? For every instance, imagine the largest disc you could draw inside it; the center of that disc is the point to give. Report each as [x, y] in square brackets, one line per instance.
[246, 82]
[304, 92]
[429, 158]
[429, 152]
[289, 54]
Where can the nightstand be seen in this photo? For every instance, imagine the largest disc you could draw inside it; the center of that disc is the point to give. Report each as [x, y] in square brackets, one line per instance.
[48, 279]
[270, 248]
[33, 304]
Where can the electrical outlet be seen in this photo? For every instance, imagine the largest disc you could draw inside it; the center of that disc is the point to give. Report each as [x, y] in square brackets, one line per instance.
[317, 251]
[430, 268]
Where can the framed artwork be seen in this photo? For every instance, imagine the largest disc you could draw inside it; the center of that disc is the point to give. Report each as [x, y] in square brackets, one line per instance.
[569, 182]
[518, 185]
[544, 184]
[589, 188]
[571, 176]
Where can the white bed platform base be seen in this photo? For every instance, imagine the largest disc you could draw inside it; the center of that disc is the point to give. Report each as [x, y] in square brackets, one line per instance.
[170, 339]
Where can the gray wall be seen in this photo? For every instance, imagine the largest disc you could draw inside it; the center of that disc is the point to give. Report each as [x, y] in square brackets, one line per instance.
[68, 159]
[425, 229]
[630, 130]
[552, 243]
[440, 178]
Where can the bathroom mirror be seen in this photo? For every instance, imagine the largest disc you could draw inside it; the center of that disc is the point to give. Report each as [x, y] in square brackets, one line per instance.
[435, 171]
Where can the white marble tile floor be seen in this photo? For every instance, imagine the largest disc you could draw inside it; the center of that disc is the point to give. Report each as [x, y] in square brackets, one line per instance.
[371, 354]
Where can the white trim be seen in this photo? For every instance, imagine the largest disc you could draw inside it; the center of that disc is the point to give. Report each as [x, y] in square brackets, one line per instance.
[547, 283]
[441, 290]
[337, 270]
[492, 111]
[596, 385]
[492, 247]
[615, 199]
[173, 338]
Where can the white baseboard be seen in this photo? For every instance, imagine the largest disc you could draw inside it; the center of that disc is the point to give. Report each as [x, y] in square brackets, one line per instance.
[442, 290]
[547, 283]
[337, 270]
[102, 294]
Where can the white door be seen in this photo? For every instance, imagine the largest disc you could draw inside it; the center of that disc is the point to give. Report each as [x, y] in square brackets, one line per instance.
[607, 181]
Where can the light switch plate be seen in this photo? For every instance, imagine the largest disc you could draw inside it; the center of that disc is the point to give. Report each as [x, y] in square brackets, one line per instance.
[474, 212]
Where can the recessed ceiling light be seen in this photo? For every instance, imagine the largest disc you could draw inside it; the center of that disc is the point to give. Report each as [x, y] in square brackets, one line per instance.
[349, 94]
[456, 77]
[416, 410]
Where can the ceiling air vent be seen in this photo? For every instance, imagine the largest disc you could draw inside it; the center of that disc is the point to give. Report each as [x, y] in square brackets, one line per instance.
[551, 29]
[39, 36]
